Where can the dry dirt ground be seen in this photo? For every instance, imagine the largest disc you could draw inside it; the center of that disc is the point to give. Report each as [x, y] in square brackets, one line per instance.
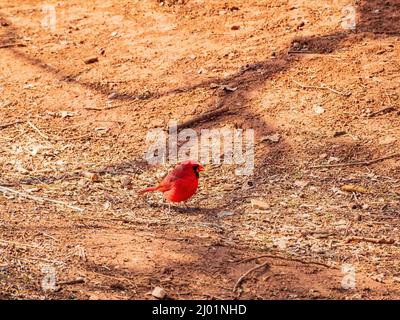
[75, 133]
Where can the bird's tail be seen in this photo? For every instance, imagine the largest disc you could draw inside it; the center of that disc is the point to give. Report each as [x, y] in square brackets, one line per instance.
[150, 189]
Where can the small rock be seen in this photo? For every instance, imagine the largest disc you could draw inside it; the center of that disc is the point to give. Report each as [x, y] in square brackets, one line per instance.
[157, 122]
[114, 34]
[126, 181]
[314, 293]
[193, 57]
[229, 89]
[29, 86]
[225, 214]
[112, 95]
[247, 185]
[257, 204]
[214, 85]
[235, 27]
[94, 177]
[301, 183]
[117, 286]
[3, 267]
[159, 293]
[272, 138]
[296, 45]
[91, 60]
[387, 140]
[66, 114]
[378, 278]
[355, 206]
[301, 25]
[339, 134]
[107, 205]
[333, 159]
[318, 109]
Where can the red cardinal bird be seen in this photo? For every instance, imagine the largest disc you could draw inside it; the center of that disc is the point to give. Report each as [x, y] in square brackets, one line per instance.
[181, 183]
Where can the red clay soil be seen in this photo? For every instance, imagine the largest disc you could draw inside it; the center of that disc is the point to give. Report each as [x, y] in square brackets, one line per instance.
[331, 94]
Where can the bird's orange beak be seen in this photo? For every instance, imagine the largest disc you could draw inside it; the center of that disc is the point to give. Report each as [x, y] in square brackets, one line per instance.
[200, 168]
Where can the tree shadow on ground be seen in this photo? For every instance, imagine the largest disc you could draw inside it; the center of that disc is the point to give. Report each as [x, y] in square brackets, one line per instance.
[373, 18]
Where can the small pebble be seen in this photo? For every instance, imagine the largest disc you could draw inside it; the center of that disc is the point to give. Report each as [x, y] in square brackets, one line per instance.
[91, 60]
[159, 293]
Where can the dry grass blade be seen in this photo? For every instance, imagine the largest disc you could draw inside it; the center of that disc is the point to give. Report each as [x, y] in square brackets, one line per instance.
[18, 244]
[322, 87]
[57, 138]
[37, 198]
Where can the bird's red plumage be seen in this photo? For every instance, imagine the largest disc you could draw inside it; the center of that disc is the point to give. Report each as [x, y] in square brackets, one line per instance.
[181, 183]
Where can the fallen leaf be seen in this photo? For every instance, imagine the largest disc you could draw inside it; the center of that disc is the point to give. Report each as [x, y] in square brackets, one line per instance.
[353, 188]
[301, 183]
[272, 138]
[94, 177]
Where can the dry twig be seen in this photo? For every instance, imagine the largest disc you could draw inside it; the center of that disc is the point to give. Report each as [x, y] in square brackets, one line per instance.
[37, 198]
[69, 282]
[383, 110]
[372, 240]
[6, 125]
[240, 280]
[57, 138]
[10, 45]
[38, 131]
[272, 256]
[357, 163]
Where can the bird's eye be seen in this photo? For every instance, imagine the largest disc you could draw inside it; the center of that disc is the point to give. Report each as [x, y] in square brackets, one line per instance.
[195, 167]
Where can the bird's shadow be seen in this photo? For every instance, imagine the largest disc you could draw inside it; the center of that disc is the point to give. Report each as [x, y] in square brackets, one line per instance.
[190, 210]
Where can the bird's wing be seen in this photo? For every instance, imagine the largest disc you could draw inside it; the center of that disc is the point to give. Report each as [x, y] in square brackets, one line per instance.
[168, 182]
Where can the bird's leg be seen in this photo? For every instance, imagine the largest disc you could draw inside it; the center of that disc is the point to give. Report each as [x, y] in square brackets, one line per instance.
[188, 209]
[168, 212]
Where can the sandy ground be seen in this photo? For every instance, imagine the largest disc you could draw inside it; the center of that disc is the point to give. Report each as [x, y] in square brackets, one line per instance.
[300, 76]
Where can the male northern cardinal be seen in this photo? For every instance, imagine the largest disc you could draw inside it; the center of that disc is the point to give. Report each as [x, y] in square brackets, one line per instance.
[181, 183]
